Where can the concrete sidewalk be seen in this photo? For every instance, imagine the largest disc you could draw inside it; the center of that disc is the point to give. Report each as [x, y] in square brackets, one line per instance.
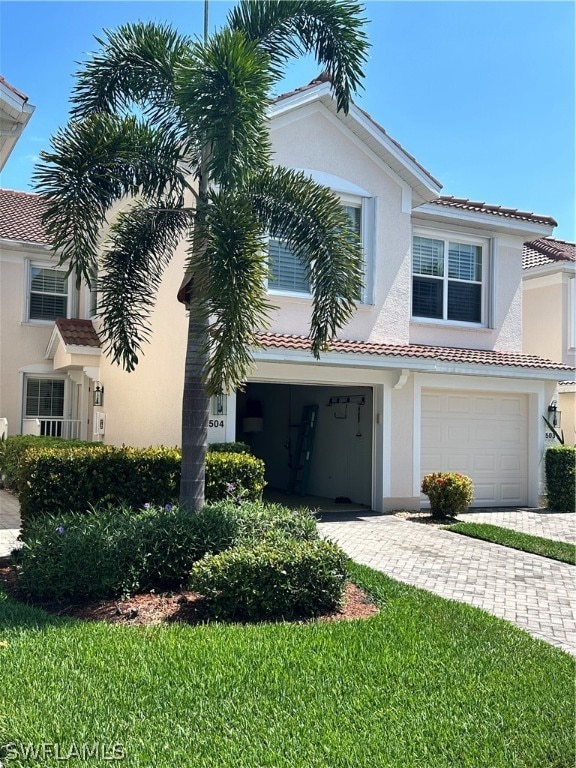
[535, 593]
[9, 522]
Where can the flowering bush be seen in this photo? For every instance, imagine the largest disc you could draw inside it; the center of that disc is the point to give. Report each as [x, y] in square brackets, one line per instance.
[449, 492]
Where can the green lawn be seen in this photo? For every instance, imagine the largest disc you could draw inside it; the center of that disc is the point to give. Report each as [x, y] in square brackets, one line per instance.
[426, 683]
[556, 550]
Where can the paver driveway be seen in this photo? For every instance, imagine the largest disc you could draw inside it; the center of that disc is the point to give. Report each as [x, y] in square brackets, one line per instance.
[534, 592]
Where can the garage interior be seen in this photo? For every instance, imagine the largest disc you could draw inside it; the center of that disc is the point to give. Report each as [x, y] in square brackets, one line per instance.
[316, 442]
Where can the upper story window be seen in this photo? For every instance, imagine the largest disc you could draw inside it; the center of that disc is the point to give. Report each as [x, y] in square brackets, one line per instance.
[48, 297]
[287, 274]
[448, 278]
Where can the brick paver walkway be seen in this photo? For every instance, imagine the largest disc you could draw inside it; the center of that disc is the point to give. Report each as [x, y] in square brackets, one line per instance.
[534, 592]
[560, 526]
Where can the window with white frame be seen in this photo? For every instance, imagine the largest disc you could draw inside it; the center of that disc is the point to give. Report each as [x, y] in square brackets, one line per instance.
[448, 278]
[287, 274]
[44, 398]
[48, 295]
[93, 296]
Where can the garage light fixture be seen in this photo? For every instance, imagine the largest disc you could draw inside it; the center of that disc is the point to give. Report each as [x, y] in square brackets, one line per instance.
[554, 415]
[98, 394]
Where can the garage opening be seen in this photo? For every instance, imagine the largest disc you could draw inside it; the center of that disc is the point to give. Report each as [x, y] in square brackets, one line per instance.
[316, 441]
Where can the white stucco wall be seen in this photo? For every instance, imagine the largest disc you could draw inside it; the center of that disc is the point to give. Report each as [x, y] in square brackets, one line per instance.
[22, 344]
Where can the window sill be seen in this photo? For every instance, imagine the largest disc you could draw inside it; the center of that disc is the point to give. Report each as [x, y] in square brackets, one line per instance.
[307, 297]
[448, 325]
[38, 323]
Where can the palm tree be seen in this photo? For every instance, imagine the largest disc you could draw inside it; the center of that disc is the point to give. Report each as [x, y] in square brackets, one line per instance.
[178, 127]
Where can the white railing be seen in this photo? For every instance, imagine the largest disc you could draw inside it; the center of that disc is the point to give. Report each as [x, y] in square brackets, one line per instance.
[3, 428]
[67, 429]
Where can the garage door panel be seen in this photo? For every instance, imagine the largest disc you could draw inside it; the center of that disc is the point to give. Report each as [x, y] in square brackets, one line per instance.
[483, 435]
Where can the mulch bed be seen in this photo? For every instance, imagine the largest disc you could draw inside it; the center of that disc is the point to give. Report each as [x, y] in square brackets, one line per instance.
[183, 606]
[425, 518]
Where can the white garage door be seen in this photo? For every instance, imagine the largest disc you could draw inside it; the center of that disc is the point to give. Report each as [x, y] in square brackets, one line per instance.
[482, 435]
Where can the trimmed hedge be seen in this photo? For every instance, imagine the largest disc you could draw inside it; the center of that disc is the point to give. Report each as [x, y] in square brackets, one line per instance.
[13, 448]
[57, 480]
[560, 462]
[74, 479]
[293, 579]
[229, 448]
[239, 476]
[121, 551]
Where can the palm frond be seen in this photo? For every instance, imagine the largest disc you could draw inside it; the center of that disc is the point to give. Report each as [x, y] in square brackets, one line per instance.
[312, 221]
[234, 268]
[223, 91]
[93, 164]
[332, 31]
[142, 241]
[135, 65]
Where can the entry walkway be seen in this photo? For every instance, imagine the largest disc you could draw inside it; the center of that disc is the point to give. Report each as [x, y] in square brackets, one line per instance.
[536, 593]
[9, 523]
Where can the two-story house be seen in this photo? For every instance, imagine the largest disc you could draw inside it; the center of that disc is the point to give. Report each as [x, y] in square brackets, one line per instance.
[549, 319]
[428, 375]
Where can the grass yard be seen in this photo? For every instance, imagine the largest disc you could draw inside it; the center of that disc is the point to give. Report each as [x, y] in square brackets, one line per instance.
[556, 550]
[426, 683]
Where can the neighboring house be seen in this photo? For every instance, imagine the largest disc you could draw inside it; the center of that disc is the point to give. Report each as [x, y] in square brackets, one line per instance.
[428, 375]
[549, 318]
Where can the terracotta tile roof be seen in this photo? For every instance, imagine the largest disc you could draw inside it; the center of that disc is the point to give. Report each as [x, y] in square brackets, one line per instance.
[416, 351]
[497, 210]
[14, 90]
[547, 250]
[78, 333]
[20, 217]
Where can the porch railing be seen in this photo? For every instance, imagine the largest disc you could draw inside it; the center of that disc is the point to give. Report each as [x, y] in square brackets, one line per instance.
[67, 429]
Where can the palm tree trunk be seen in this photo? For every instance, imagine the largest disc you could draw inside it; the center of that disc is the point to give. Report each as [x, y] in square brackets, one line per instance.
[195, 412]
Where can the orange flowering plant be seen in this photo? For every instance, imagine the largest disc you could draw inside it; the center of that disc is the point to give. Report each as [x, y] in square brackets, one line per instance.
[449, 492]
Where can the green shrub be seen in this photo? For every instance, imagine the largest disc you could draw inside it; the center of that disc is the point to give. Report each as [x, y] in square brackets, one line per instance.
[560, 464]
[13, 448]
[450, 493]
[76, 557]
[112, 551]
[283, 580]
[61, 479]
[237, 476]
[71, 479]
[230, 448]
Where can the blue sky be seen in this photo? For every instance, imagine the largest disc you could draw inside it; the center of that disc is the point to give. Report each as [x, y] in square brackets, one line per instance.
[481, 93]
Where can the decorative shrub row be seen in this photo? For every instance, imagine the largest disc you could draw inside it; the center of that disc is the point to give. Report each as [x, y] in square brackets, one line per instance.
[450, 493]
[13, 448]
[120, 551]
[271, 581]
[560, 463]
[73, 479]
[229, 448]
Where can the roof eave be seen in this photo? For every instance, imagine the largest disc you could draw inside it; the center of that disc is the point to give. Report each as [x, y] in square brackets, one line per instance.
[484, 220]
[417, 365]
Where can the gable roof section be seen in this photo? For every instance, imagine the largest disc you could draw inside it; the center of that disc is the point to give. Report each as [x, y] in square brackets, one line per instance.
[424, 186]
[547, 251]
[417, 352]
[77, 333]
[20, 217]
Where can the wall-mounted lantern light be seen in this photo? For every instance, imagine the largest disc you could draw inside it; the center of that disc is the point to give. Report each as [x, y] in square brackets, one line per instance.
[219, 405]
[98, 394]
[554, 415]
